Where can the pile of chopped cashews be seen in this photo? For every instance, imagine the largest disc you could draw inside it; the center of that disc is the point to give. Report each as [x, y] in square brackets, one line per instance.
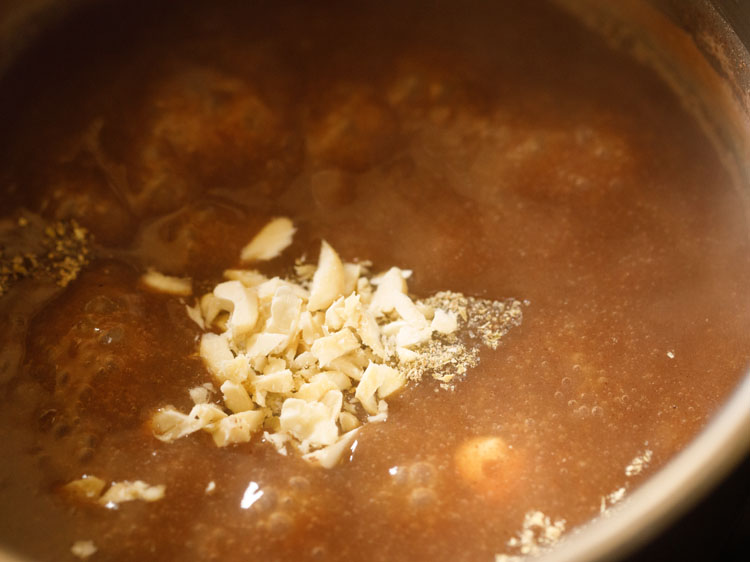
[306, 362]
[309, 361]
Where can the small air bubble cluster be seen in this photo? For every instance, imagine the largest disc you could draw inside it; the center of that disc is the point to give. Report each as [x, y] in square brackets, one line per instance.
[416, 482]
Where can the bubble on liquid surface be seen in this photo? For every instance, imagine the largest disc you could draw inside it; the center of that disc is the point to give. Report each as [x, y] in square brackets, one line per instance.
[421, 498]
[100, 304]
[422, 473]
[581, 412]
[265, 502]
[299, 483]
[113, 335]
[279, 523]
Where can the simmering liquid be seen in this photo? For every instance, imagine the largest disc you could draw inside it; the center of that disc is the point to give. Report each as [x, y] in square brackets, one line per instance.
[498, 150]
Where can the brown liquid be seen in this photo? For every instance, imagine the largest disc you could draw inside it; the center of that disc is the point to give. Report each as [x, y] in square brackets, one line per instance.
[499, 151]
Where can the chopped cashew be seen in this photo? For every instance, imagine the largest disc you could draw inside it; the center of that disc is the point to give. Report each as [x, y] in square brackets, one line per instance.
[85, 488]
[329, 280]
[238, 428]
[242, 304]
[328, 348]
[444, 322]
[391, 285]
[168, 424]
[161, 283]
[273, 239]
[329, 456]
[380, 379]
[126, 491]
[215, 351]
[236, 397]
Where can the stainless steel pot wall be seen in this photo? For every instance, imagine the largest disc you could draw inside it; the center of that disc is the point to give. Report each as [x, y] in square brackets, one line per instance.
[701, 47]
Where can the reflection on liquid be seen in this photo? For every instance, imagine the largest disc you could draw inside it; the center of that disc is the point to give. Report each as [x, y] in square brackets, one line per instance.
[252, 494]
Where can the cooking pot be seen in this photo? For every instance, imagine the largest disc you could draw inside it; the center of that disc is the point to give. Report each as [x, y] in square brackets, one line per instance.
[701, 48]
